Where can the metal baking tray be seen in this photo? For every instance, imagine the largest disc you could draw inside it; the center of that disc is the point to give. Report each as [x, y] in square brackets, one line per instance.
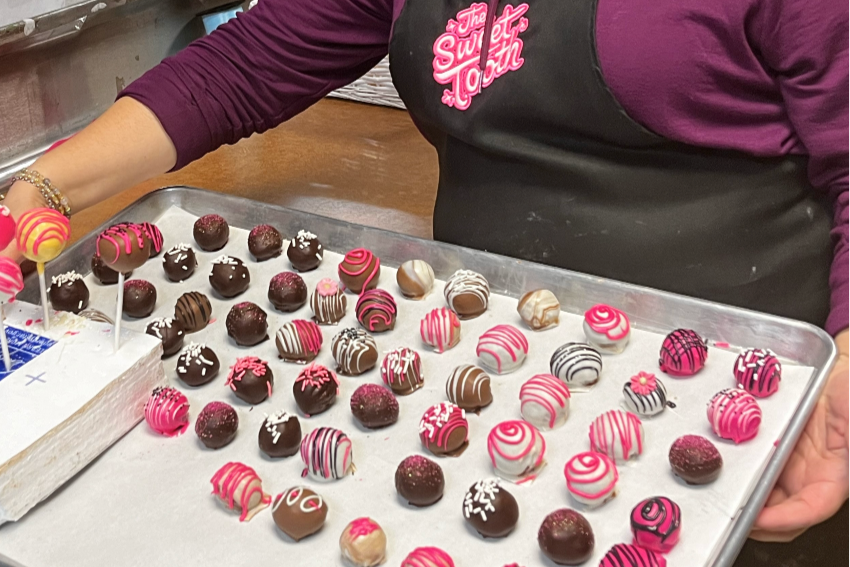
[648, 308]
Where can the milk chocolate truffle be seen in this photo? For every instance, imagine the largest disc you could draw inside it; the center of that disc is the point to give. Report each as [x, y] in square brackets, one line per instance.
[363, 543]
[194, 310]
[468, 387]
[246, 324]
[68, 292]
[298, 341]
[155, 236]
[251, 379]
[490, 509]
[420, 481]
[124, 247]
[216, 425]
[287, 292]
[139, 298]
[355, 351]
[211, 232]
[104, 274]
[695, 459]
[374, 406]
[401, 370]
[179, 262]
[315, 389]
[229, 276]
[170, 332]
[415, 279]
[197, 364]
[467, 294]
[376, 310]
[305, 252]
[359, 270]
[566, 537]
[299, 512]
[328, 302]
[444, 430]
[280, 435]
[264, 242]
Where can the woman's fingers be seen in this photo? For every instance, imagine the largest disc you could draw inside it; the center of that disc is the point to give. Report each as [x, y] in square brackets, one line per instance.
[793, 515]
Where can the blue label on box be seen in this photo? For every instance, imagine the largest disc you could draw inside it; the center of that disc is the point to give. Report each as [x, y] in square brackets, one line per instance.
[23, 347]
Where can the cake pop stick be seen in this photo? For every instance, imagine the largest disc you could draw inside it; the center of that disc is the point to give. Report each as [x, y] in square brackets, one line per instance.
[42, 235]
[124, 248]
[11, 283]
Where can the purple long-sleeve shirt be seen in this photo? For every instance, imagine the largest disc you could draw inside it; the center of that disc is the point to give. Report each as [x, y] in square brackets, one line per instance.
[766, 77]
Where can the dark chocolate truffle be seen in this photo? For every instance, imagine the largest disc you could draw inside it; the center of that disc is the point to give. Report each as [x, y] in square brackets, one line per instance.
[229, 276]
[139, 298]
[376, 310]
[328, 302]
[103, 273]
[246, 324]
[305, 252]
[490, 509]
[155, 236]
[468, 387]
[280, 435]
[374, 406]
[124, 247]
[355, 351]
[299, 512]
[211, 232]
[197, 364]
[179, 262]
[565, 537]
[264, 242]
[359, 270]
[315, 389]
[695, 459]
[251, 379]
[216, 425]
[419, 480]
[287, 292]
[401, 370]
[68, 292]
[194, 310]
[170, 332]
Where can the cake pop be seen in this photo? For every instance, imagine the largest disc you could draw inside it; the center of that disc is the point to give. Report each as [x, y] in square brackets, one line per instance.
[11, 283]
[41, 236]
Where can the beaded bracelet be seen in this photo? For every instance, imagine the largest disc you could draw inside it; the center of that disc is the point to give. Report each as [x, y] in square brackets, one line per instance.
[52, 196]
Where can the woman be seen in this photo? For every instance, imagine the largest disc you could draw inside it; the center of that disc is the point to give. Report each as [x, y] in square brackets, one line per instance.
[698, 147]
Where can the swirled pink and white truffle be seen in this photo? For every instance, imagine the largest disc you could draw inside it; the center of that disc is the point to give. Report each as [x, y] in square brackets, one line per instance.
[607, 328]
[618, 434]
[440, 329]
[544, 401]
[238, 486]
[591, 478]
[502, 349]
[517, 451]
[734, 414]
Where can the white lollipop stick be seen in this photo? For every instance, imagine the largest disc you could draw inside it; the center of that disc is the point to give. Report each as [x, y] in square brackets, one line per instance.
[43, 288]
[6, 358]
[119, 311]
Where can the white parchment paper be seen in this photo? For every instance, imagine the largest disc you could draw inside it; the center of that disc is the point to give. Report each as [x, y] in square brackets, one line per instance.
[147, 500]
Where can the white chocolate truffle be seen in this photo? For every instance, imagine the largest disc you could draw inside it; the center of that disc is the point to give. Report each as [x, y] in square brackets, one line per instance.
[238, 486]
[645, 394]
[607, 328]
[363, 543]
[577, 364]
[618, 434]
[502, 349]
[591, 478]
[415, 279]
[545, 401]
[539, 309]
[517, 451]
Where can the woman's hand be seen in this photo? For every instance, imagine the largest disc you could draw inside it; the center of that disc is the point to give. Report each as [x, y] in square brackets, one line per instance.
[21, 198]
[813, 485]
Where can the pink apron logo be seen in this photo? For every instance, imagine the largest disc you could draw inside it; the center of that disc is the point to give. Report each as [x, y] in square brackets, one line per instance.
[458, 51]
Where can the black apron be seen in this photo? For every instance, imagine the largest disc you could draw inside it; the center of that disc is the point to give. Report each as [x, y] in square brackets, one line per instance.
[542, 163]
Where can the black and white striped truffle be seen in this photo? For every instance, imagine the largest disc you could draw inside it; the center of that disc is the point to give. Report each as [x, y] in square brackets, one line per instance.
[645, 394]
[579, 365]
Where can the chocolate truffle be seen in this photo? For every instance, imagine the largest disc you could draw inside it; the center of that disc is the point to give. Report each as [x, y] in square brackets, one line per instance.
[419, 480]
[359, 270]
[298, 341]
[170, 332]
[565, 537]
[328, 302]
[197, 364]
[467, 294]
[194, 310]
[229, 276]
[139, 298]
[415, 279]
[683, 353]
[299, 512]
[695, 459]
[211, 232]
[401, 370]
[373, 406]
[468, 387]
[280, 435]
[179, 263]
[305, 252]
[264, 242]
[68, 292]
[155, 236]
[656, 523]
[287, 292]
[216, 425]
[355, 351]
[363, 543]
[315, 389]
[104, 274]
[490, 509]
[124, 247]
[376, 310]
[327, 454]
[246, 324]
[251, 379]
[444, 430]
[627, 554]
[238, 486]
[167, 411]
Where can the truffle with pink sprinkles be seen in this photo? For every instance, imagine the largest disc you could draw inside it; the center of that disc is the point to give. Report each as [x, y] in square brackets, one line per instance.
[428, 557]
[359, 270]
[238, 485]
[517, 451]
[628, 555]
[167, 412]
[758, 371]
[607, 328]
[440, 329]
[502, 349]
[618, 434]
[251, 379]
[591, 478]
[444, 430]
[327, 454]
[734, 414]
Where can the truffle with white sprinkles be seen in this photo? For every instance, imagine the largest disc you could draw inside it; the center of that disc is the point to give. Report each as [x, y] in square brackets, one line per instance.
[280, 435]
[490, 509]
[229, 276]
[170, 332]
[69, 292]
[197, 364]
[179, 262]
[305, 252]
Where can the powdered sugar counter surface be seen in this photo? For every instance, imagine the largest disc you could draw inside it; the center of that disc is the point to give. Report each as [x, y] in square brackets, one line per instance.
[148, 497]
